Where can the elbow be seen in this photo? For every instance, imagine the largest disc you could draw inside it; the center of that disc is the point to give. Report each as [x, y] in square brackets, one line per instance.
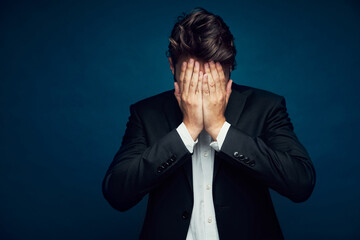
[302, 194]
[115, 203]
[113, 195]
[303, 188]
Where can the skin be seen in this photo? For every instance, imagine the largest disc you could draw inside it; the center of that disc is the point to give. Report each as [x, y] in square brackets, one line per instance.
[202, 90]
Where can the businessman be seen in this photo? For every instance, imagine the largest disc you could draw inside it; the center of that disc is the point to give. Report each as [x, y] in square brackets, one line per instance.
[208, 150]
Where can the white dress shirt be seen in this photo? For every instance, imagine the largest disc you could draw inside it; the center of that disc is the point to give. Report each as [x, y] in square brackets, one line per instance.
[203, 220]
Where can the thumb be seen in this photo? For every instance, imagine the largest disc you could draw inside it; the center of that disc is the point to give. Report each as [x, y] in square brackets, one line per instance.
[228, 90]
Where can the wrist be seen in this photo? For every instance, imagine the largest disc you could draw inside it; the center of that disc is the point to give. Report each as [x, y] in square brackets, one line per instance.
[193, 130]
[215, 128]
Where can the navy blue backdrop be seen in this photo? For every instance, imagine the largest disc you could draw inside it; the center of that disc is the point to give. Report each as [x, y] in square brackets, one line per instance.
[70, 69]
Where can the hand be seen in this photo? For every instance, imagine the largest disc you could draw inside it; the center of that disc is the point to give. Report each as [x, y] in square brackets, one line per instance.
[216, 95]
[188, 93]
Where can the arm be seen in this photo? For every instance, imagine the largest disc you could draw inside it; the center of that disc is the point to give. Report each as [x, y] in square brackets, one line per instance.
[137, 169]
[277, 158]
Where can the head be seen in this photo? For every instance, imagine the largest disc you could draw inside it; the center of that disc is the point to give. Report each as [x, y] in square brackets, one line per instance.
[204, 37]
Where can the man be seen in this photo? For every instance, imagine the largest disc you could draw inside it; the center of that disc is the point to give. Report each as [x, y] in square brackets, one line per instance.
[208, 151]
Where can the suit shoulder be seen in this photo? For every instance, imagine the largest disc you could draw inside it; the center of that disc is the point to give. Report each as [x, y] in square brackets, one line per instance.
[261, 95]
[153, 102]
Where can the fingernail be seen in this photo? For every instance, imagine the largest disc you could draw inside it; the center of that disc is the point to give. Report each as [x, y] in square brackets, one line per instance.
[191, 60]
[196, 64]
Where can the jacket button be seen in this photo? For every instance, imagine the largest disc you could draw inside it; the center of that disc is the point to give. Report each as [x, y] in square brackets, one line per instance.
[242, 157]
[185, 215]
[172, 158]
[160, 169]
[246, 160]
[236, 154]
[169, 161]
[252, 164]
[165, 164]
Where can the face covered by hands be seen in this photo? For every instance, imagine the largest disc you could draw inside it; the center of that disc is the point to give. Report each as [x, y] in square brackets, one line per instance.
[202, 93]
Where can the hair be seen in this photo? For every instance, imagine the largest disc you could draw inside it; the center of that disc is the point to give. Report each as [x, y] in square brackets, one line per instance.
[203, 35]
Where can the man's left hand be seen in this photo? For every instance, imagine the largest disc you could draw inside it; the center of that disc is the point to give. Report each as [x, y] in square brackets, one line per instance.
[216, 93]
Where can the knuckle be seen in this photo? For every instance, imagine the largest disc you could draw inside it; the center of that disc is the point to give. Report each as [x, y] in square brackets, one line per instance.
[189, 102]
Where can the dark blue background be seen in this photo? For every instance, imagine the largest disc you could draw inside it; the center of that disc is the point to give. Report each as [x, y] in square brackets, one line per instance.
[70, 69]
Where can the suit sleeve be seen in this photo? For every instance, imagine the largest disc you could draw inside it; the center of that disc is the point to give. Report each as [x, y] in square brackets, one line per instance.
[276, 158]
[137, 168]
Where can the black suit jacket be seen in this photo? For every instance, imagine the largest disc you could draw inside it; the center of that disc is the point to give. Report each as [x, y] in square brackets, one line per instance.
[260, 151]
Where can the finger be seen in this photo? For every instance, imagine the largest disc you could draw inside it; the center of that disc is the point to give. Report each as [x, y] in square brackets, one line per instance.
[221, 73]
[188, 74]
[182, 75]
[199, 85]
[177, 92]
[205, 86]
[210, 81]
[215, 77]
[228, 90]
[194, 79]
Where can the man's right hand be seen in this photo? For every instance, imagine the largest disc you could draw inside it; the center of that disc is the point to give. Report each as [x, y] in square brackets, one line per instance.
[188, 93]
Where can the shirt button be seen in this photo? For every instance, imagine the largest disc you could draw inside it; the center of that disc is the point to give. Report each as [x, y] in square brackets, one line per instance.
[205, 154]
[209, 220]
[208, 186]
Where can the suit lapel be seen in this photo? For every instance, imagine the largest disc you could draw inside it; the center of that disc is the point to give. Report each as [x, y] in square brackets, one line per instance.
[232, 114]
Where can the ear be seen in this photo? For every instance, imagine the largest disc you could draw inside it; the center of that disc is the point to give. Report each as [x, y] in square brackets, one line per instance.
[171, 65]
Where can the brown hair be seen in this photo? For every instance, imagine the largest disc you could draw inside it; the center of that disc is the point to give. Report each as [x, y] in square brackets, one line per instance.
[203, 35]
